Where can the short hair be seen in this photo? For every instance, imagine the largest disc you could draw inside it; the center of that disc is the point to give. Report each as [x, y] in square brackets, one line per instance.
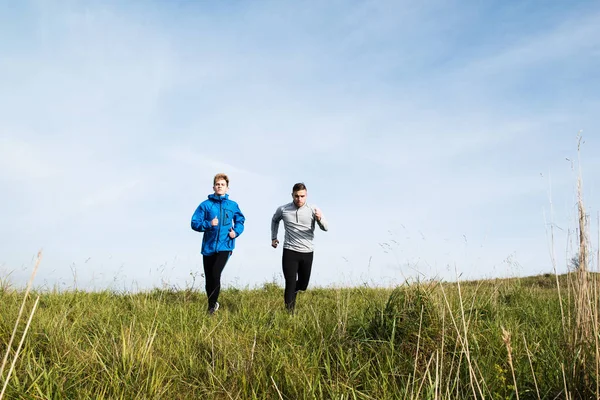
[220, 176]
[299, 186]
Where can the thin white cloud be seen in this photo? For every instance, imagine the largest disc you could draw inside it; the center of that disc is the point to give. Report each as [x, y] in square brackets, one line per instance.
[199, 160]
[564, 43]
[23, 160]
[111, 194]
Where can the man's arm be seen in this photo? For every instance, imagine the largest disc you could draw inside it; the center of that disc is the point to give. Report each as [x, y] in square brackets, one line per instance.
[318, 215]
[199, 224]
[238, 221]
[275, 223]
[322, 224]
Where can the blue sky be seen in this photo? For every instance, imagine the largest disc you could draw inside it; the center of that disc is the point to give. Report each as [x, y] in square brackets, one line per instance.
[433, 135]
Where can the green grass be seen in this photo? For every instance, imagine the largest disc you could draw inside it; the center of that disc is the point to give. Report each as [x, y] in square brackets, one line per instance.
[423, 340]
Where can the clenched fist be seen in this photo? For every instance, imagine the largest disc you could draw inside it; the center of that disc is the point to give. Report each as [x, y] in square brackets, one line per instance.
[318, 214]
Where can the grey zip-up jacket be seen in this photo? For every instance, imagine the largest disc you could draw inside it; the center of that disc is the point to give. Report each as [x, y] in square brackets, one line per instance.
[299, 224]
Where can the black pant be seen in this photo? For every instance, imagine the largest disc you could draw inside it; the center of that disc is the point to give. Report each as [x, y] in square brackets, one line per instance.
[213, 267]
[296, 271]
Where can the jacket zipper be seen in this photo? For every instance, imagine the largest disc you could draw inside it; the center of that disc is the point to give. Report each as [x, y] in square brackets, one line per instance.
[219, 229]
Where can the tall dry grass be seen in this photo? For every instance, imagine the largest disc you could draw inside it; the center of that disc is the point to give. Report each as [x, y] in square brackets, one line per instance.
[7, 352]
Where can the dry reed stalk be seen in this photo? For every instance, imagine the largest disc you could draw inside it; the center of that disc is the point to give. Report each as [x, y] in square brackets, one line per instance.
[463, 342]
[14, 332]
[417, 352]
[438, 386]
[427, 373]
[276, 388]
[553, 259]
[596, 343]
[507, 343]
[472, 376]
[562, 366]
[531, 365]
[457, 344]
[441, 361]
[583, 302]
[596, 322]
[14, 362]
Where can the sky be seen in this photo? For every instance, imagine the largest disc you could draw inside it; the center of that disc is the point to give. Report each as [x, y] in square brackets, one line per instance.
[439, 138]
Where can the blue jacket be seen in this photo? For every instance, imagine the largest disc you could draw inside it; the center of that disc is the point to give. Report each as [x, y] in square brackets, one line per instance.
[216, 238]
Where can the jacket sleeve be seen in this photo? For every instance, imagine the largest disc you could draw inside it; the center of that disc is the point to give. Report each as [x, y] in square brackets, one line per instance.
[238, 221]
[275, 222]
[199, 224]
[322, 223]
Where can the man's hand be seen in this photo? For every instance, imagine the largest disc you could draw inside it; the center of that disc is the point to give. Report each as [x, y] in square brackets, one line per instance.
[232, 233]
[318, 214]
[274, 243]
[215, 221]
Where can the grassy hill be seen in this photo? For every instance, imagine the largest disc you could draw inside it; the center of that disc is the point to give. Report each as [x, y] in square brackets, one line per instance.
[498, 339]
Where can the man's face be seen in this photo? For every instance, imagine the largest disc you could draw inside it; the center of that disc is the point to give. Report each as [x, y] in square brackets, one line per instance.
[220, 187]
[299, 198]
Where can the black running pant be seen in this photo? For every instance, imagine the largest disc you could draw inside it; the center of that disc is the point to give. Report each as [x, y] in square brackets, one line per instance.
[213, 267]
[296, 271]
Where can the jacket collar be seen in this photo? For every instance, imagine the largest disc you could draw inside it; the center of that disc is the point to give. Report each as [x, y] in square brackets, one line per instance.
[218, 198]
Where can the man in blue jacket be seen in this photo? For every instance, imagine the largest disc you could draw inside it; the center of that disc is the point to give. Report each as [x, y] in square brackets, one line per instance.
[221, 221]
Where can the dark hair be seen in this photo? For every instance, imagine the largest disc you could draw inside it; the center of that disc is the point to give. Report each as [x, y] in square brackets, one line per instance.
[299, 186]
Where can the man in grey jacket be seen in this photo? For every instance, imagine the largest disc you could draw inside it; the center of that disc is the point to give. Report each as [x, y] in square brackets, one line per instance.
[299, 219]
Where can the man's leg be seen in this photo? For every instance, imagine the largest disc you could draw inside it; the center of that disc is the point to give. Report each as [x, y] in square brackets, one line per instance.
[304, 270]
[290, 261]
[213, 267]
[209, 274]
